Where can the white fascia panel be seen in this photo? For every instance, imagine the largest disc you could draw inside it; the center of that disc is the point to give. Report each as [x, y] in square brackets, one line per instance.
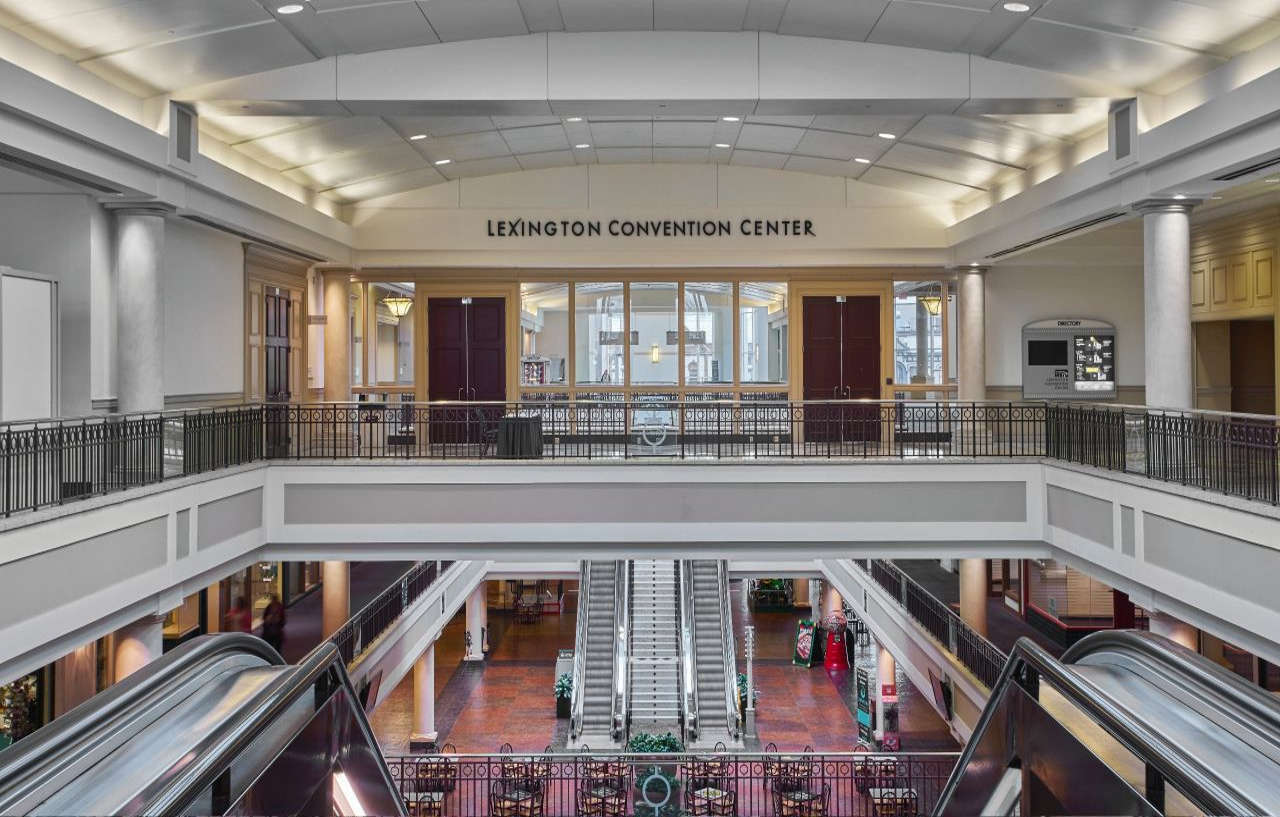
[499, 75]
[667, 67]
[1001, 87]
[308, 89]
[836, 76]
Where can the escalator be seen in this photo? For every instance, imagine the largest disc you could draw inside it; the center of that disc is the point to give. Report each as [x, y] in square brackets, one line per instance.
[596, 720]
[1125, 723]
[220, 725]
[714, 665]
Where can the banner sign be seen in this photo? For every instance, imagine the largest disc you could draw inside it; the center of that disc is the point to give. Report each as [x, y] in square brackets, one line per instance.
[866, 710]
[803, 656]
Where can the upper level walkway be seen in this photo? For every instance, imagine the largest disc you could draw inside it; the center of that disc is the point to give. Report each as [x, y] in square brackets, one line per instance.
[1175, 508]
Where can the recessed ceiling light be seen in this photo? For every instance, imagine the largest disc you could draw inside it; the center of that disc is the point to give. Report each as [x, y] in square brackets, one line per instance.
[722, 144]
[417, 136]
[290, 8]
[731, 119]
[887, 135]
[573, 119]
[582, 146]
[1018, 7]
[1275, 180]
[973, 263]
[1179, 196]
[862, 161]
[443, 161]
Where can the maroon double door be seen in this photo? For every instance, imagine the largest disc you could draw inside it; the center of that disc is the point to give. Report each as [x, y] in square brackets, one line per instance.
[841, 362]
[466, 360]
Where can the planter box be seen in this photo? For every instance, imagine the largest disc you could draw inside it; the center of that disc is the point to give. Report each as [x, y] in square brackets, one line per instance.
[562, 707]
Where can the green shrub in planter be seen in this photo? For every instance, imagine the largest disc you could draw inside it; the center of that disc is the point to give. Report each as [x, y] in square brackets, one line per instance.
[564, 694]
[667, 744]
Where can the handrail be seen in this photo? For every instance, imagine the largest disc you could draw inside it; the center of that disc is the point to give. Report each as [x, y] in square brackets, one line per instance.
[620, 722]
[345, 637]
[232, 738]
[579, 648]
[688, 652]
[730, 650]
[48, 747]
[1188, 775]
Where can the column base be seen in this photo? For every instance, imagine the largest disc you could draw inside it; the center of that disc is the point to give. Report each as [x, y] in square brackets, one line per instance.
[423, 744]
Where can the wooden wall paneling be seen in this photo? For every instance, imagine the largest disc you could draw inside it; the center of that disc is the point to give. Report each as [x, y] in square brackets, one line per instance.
[1263, 262]
[1199, 294]
[1240, 284]
[254, 377]
[1219, 292]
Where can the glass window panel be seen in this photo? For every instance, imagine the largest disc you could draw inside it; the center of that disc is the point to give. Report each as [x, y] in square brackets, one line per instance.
[654, 330]
[917, 332]
[598, 330]
[763, 331]
[544, 334]
[708, 332]
[356, 316]
[393, 313]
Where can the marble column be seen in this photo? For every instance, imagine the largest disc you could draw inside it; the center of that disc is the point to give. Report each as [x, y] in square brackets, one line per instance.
[921, 374]
[475, 625]
[886, 669]
[831, 601]
[138, 644]
[335, 598]
[423, 737]
[973, 593]
[337, 336]
[815, 600]
[971, 334]
[1174, 629]
[140, 334]
[1166, 288]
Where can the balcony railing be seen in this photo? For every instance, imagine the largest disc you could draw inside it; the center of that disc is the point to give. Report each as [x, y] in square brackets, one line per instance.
[51, 462]
[975, 653]
[376, 617]
[548, 784]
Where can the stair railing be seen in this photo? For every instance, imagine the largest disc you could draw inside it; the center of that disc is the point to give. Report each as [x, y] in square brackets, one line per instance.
[730, 651]
[619, 725]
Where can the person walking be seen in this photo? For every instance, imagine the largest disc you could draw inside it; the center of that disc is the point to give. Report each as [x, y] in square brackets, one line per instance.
[273, 623]
[239, 618]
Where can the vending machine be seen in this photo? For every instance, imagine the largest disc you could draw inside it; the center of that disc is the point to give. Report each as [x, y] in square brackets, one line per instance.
[1069, 359]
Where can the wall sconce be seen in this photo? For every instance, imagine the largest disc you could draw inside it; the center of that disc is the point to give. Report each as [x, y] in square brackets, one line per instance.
[655, 354]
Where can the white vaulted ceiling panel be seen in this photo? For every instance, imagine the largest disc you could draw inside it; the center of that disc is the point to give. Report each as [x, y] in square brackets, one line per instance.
[868, 125]
[841, 146]
[622, 134]
[683, 134]
[763, 15]
[90, 29]
[386, 185]
[440, 125]
[757, 158]
[981, 135]
[480, 167]
[554, 158]
[352, 167]
[306, 145]
[953, 167]
[921, 25]
[542, 15]
[681, 155]
[838, 19]
[911, 183]
[237, 129]
[474, 19]
[177, 64]
[824, 167]
[538, 139]
[703, 15]
[624, 155]
[775, 138]
[1201, 25]
[394, 26]
[607, 15]
[464, 147]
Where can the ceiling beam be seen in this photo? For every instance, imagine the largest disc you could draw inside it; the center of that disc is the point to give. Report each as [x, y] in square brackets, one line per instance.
[651, 74]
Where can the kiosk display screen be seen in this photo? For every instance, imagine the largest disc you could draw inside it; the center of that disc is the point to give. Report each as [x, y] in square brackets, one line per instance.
[1095, 362]
[1047, 352]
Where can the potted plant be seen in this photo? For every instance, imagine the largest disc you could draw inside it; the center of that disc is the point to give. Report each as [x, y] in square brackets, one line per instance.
[564, 694]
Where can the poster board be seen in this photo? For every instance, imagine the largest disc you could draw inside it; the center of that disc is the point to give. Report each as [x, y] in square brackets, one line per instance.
[803, 654]
[865, 709]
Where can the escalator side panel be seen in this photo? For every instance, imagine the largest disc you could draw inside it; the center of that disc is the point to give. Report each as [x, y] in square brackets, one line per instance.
[986, 766]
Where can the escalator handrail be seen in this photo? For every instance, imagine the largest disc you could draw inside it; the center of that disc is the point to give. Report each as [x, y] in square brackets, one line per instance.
[1257, 708]
[580, 648]
[618, 725]
[233, 737]
[29, 762]
[1178, 768]
[730, 650]
[688, 651]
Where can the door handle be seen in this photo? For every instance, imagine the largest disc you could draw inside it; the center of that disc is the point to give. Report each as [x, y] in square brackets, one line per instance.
[460, 397]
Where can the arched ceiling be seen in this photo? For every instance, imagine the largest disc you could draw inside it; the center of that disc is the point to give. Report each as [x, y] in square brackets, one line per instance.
[163, 47]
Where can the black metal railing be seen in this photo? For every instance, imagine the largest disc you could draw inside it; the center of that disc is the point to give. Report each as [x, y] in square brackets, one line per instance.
[376, 617]
[44, 463]
[547, 784]
[974, 652]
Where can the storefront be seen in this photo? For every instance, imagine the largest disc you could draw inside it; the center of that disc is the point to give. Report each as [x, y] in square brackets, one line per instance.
[733, 335]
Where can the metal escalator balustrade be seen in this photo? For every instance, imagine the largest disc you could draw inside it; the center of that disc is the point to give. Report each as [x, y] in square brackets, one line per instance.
[714, 654]
[594, 653]
[1126, 723]
[655, 648]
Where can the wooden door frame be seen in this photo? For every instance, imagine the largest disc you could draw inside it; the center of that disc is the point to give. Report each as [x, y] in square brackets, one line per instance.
[425, 290]
[797, 290]
[264, 268]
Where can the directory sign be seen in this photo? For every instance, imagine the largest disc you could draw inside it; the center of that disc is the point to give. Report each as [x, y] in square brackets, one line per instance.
[1069, 359]
[866, 711]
